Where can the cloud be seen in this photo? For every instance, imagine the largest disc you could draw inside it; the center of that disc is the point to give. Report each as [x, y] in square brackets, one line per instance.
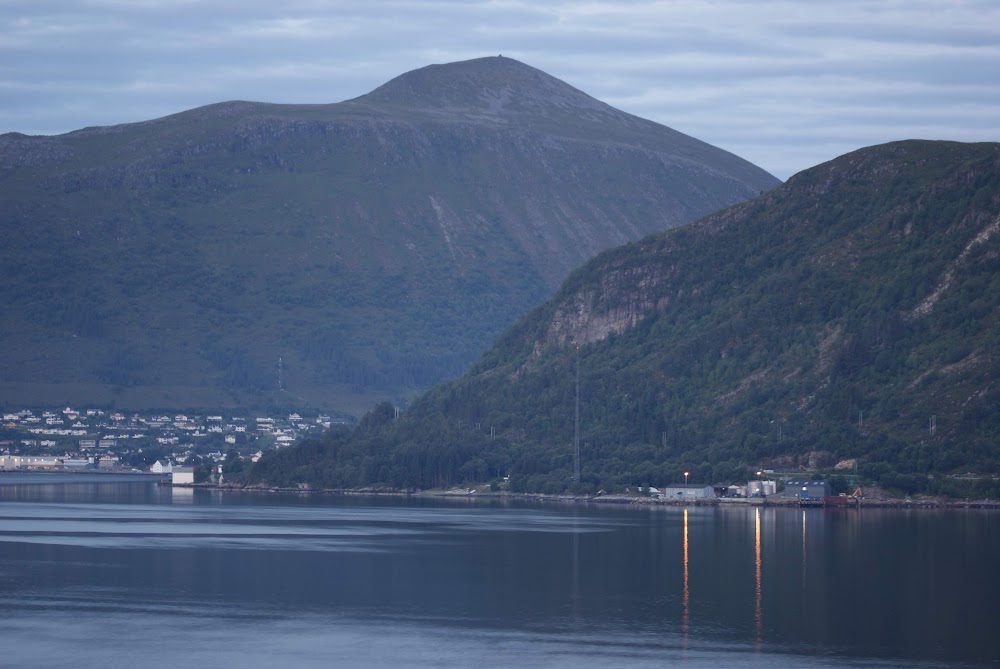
[783, 84]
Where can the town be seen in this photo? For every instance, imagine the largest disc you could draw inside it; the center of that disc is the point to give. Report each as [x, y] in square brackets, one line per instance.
[70, 439]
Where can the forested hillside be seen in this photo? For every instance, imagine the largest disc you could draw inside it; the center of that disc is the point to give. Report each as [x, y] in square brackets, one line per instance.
[850, 314]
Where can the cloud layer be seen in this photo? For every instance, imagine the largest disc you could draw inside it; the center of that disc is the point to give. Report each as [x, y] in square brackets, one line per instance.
[784, 84]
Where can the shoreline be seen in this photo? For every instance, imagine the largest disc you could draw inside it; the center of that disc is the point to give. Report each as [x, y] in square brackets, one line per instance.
[620, 500]
[880, 502]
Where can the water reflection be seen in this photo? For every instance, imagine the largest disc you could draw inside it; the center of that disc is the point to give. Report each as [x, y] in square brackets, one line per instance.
[321, 581]
[803, 554]
[758, 616]
[575, 596]
[686, 615]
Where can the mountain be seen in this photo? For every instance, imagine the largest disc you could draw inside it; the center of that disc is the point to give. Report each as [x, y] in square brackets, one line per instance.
[850, 316]
[322, 255]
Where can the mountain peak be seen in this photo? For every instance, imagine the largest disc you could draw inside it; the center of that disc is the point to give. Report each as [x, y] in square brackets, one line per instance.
[495, 86]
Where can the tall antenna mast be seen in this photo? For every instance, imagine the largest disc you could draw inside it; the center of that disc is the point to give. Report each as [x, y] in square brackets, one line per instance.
[576, 423]
[281, 383]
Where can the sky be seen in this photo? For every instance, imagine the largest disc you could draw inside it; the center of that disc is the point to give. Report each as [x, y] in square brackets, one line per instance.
[784, 84]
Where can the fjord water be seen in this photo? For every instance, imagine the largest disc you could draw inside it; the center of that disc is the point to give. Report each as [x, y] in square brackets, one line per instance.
[115, 571]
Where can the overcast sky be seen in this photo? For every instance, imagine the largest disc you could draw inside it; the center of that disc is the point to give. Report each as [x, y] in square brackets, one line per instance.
[786, 85]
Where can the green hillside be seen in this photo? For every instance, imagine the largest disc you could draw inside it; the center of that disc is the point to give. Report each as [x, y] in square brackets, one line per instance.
[852, 313]
[375, 246]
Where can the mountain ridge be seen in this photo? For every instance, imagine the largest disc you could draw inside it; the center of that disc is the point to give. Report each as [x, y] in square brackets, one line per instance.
[375, 250]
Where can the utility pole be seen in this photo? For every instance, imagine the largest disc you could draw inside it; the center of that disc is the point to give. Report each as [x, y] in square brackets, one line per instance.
[576, 422]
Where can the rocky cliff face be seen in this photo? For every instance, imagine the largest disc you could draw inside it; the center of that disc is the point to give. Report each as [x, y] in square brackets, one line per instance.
[623, 297]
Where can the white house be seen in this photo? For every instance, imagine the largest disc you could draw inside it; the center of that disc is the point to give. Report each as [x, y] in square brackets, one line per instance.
[159, 467]
[182, 475]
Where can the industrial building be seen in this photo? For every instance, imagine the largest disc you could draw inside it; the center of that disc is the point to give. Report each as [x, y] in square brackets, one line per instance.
[182, 476]
[684, 491]
[761, 488]
[808, 491]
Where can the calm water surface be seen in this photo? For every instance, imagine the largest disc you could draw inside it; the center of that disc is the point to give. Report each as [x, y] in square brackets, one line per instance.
[119, 572]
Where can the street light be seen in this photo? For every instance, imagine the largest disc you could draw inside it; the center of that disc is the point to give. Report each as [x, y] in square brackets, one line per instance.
[686, 477]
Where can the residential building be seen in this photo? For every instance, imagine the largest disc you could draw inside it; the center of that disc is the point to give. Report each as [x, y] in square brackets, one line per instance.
[108, 461]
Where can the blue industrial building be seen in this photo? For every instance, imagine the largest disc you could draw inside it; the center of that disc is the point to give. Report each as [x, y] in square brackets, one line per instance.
[808, 491]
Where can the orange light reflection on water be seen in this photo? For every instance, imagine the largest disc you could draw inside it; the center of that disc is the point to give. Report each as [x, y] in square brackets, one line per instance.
[758, 611]
[803, 551]
[686, 617]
